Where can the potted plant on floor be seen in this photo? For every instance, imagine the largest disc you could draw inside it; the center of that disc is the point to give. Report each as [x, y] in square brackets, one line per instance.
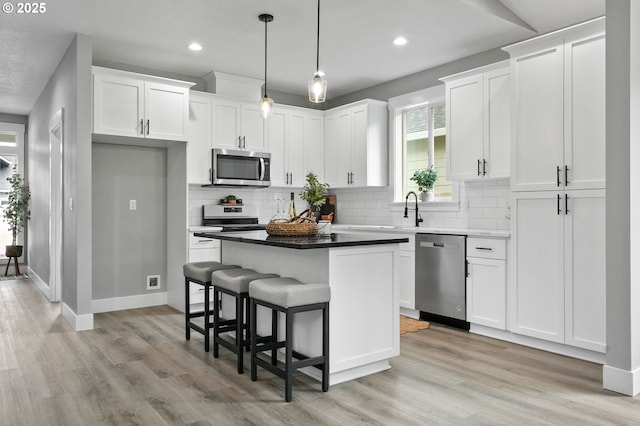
[313, 192]
[16, 211]
[425, 178]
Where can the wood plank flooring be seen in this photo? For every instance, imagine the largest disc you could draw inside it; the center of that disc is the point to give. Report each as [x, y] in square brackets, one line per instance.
[136, 368]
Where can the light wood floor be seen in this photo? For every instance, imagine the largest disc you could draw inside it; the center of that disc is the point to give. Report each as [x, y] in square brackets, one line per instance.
[136, 368]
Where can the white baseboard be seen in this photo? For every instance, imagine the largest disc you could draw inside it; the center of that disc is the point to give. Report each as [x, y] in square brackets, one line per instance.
[78, 322]
[44, 287]
[621, 381]
[558, 348]
[411, 313]
[129, 302]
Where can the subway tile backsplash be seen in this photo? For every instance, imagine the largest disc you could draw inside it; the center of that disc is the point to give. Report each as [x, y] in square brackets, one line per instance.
[483, 205]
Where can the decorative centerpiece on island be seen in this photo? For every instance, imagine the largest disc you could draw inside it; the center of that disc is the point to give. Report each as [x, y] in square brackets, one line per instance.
[313, 192]
[425, 178]
[16, 213]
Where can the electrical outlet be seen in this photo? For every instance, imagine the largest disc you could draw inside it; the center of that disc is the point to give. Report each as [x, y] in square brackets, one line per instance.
[132, 204]
[153, 282]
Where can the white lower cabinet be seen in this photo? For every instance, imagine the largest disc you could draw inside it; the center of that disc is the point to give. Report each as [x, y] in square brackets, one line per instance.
[487, 282]
[559, 284]
[201, 250]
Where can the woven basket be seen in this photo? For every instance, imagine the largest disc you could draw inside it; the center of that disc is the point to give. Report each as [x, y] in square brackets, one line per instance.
[291, 229]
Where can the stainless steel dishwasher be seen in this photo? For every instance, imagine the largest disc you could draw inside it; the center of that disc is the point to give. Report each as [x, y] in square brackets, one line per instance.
[441, 278]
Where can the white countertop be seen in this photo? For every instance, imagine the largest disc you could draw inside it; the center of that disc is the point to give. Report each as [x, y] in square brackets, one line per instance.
[413, 230]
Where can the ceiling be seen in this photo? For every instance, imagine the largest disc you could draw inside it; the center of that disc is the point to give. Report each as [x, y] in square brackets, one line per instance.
[356, 49]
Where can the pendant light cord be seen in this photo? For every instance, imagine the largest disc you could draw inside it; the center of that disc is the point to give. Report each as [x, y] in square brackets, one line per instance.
[265, 57]
[318, 42]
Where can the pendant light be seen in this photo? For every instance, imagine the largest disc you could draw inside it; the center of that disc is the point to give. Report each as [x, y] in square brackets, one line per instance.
[266, 104]
[318, 85]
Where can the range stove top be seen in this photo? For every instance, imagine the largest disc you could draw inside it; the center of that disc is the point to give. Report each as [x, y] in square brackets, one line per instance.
[231, 218]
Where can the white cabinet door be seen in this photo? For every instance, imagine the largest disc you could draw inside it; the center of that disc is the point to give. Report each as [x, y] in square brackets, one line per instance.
[166, 111]
[225, 123]
[252, 128]
[465, 128]
[537, 300]
[277, 142]
[199, 142]
[585, 277]
[314, 145]
[497, 129]
[486, 292]
[358, 169]
[118, 105]
[539, 124]
[337, 149]
[295, 149]
[585, 102]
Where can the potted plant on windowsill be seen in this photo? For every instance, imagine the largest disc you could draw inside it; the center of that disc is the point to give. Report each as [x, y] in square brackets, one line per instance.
[313, 192]
[16, 211]
[425, 178]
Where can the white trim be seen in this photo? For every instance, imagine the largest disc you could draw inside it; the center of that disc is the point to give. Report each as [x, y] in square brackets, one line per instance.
[532, 342]
[44, 287]
[77, 322]
[128, 302]
[621, 381]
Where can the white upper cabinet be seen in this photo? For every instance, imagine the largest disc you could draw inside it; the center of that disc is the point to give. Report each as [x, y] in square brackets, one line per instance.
[295, 141]
[356, 148]
[478, 123]
[559, 122]
[139, 106]
[237, 125]
[199, 142]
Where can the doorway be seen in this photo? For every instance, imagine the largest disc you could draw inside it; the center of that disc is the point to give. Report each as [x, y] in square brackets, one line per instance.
[55, 205]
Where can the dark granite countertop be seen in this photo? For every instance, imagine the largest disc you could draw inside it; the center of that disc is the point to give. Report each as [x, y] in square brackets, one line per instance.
[304, 242]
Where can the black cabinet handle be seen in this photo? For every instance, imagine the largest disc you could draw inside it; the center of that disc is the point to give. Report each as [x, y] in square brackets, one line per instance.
[484, 167]
[558, 176]
[566, 174]
[566, 204]
[142, 126]
[484, 248]
[558, 205]
[148, 127]
[478, 167]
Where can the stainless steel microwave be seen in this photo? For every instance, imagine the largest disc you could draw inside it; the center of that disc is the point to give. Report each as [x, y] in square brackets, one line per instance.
[230, 167]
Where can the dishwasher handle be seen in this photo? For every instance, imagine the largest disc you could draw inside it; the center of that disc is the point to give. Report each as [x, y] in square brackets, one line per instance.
[438, 245]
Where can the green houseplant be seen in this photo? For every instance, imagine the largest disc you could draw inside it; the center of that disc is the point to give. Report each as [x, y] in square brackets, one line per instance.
[16, 211]
[313, 192]
[425, 178]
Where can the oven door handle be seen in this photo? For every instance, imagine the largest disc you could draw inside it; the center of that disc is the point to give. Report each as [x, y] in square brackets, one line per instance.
[262, 169]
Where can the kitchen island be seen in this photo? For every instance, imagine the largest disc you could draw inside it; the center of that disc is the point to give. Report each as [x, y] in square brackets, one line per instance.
[363, 272]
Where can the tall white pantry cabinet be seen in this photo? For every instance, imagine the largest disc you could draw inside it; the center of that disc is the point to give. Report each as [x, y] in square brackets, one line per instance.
[557, 287]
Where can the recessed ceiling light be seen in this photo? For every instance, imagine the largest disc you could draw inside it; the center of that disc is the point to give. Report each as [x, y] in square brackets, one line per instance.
[400, 41]
[195, 46]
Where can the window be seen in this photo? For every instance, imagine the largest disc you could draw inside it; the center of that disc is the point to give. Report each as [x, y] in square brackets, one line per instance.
[419, 136]
[10, 154]
[424, 138]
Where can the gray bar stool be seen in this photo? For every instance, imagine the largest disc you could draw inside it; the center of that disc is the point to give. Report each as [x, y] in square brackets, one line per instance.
[200, 273]
[234, 282]
[289, 296]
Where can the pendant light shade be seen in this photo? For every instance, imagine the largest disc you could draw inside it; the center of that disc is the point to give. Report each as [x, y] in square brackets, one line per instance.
[318, 84]
[266, 103]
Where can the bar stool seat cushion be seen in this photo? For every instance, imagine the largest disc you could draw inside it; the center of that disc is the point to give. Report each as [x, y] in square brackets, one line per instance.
[288, 292]
[201, 271]
[237, 280]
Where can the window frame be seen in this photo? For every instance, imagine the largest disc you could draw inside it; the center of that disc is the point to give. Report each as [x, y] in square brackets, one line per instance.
[397, 106]
[18, 151]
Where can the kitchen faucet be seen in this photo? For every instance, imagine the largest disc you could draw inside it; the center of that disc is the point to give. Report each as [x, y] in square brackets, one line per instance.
[406, 211]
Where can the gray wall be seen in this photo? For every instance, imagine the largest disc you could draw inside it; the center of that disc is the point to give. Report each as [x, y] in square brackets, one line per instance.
[69, 88]
[623, 177]
[420, 80]
[128, 244]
